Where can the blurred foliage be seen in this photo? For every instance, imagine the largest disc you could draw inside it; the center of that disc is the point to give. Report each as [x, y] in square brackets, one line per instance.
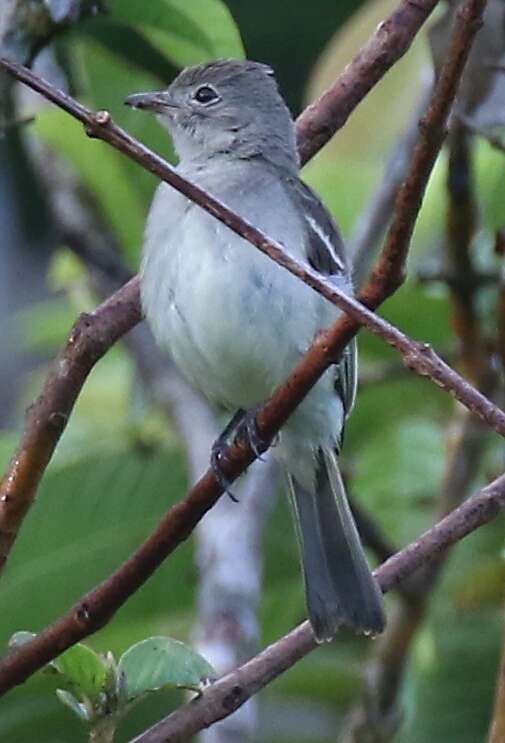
[119, 467]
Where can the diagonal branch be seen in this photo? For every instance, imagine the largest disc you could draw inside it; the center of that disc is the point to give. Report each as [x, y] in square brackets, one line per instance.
[98, 606]
[231, 691]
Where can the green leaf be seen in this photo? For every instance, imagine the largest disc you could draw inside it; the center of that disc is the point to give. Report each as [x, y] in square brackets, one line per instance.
[130, 46]
[216, 19]
[160, 662]
[398, 470]
[101, 170]
[163, 16]
[165, 33]
[83, 669]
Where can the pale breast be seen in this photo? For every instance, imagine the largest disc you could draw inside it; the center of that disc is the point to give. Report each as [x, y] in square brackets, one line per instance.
[235, 322]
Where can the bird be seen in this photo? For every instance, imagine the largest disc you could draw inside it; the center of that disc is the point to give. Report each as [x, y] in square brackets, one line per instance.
[236, 323]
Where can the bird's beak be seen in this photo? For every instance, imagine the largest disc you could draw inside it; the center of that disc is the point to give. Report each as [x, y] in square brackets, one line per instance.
[159, 101]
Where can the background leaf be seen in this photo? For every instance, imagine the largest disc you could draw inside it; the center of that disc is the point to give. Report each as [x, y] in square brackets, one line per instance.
[83, 670]
[159, 662]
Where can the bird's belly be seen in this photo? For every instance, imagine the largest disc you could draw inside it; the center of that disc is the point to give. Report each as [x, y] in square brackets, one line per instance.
[234, 322]
[229, 334]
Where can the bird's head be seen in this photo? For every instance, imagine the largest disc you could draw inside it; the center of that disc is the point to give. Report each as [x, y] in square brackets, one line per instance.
[227, 107]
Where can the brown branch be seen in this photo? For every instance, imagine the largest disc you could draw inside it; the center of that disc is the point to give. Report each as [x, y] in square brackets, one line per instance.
[390, 269]
[230, 692]
[393, 37]
[98, 606]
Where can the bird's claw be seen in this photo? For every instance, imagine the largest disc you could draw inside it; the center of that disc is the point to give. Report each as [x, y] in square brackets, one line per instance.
[242, 425]
[249, 430]
[215, 465]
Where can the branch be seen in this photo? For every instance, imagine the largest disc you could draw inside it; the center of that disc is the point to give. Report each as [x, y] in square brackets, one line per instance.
[230, 692]
[388, 371]
[98, 606]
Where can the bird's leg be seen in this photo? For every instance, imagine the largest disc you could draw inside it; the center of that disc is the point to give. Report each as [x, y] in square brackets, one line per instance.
[241, 426]
[217, 450]
[248, 430]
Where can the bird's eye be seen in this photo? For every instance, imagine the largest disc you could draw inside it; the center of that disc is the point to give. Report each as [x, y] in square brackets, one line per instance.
[206, 95]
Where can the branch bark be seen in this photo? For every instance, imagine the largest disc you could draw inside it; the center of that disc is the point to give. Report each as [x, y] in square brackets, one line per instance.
[98, 606]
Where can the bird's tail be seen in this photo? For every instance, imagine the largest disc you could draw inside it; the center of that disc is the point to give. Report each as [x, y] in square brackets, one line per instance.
[339, 586]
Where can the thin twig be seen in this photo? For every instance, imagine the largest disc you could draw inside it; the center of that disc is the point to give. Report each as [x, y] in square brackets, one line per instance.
[370, 533]
[230, 692]
[98, 606]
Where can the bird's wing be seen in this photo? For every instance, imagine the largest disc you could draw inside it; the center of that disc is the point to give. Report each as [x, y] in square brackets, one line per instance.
[326, 254]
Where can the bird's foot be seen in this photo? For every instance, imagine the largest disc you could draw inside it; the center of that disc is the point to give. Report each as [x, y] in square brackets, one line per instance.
[241, 426]
[248, 431]
[218, 448]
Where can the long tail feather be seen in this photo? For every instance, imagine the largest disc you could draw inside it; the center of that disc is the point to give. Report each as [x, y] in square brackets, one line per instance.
[340, 588]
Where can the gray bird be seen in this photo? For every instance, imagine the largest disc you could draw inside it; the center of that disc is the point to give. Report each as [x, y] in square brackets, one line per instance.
[236, 323]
